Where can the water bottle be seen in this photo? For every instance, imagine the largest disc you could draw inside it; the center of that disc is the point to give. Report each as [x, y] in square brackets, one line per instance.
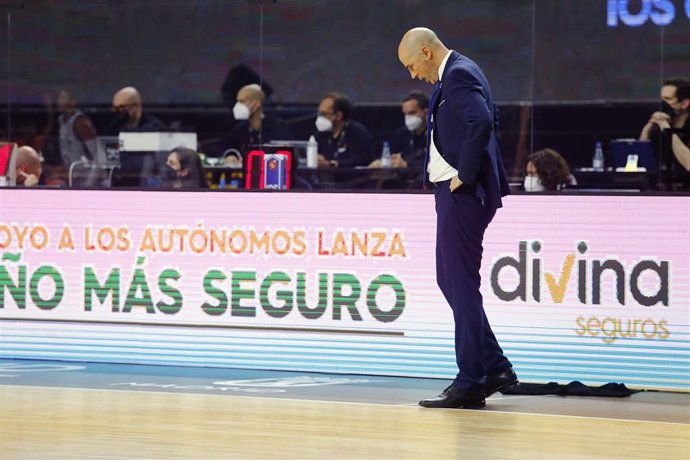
[386, 155]
[598, 158]
[312, 153]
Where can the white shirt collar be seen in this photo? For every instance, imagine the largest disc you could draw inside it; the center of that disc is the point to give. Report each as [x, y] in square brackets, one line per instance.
[442, 67]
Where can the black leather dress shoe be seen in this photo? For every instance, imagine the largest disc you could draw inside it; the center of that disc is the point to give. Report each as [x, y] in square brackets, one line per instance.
[455, 397]
[500, 381]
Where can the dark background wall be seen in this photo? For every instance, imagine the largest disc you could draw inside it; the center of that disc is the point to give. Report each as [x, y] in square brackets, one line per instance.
[565, 72]
[179, 51]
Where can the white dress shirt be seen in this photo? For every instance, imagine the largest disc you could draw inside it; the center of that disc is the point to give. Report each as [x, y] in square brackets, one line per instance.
[439, 170]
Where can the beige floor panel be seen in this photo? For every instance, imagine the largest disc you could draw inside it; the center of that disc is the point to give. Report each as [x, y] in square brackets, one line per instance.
[44, 422]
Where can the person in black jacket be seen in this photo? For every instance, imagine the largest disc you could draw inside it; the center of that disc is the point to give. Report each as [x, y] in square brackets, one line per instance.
[254, 126]
[342, 142]
[129, 113]
[408, 146]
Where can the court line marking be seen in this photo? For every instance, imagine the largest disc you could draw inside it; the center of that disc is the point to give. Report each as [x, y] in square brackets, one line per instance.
[323, 401]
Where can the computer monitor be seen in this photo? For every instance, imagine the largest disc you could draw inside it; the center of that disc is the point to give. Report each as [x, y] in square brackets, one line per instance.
[621, 149]
[143, 153]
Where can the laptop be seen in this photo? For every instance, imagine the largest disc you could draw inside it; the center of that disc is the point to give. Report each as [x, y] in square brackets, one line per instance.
[626, 151]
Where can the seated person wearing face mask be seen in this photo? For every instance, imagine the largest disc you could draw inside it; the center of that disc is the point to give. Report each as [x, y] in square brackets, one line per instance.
[547, 171]
[674, 113]
[341, 142]
[183, 170]
[129, 113]
[136, 170]
[409, 142]
[254, 125]
[28, 167]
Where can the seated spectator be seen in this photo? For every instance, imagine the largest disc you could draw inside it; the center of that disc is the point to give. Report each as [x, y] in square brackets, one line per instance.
[409, 143]
[547, 171]
[135, 170]
[28, 167]
[129, 113]
[674, 113]
[77, 134]
[255, 126]
[183, 169]
[342, 142]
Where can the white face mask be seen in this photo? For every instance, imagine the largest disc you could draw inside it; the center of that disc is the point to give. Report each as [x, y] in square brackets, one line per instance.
[533, 184]
[323, 124]
[413, 122]
[240, 111]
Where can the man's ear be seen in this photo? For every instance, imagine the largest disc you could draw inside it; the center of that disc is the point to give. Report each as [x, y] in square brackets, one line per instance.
[184, 172]
[427, 53]
[685, 103]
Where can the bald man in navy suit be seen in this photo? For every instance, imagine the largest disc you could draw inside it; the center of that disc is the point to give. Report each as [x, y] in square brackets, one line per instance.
[464, 166]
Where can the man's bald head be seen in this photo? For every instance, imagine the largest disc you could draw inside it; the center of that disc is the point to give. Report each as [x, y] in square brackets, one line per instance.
[253, 97]
[128, 100]
[126, 95]
[414, 39]
[253, 92]
[26, 155]
[421, 52]
[28, 163]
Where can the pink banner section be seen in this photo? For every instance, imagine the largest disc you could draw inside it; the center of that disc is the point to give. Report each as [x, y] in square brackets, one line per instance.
[569, 282]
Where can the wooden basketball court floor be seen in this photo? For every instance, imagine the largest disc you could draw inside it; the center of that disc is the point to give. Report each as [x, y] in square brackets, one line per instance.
[61, 410]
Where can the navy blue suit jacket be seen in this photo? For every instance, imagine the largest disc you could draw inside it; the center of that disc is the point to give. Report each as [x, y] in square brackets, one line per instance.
[464, 120]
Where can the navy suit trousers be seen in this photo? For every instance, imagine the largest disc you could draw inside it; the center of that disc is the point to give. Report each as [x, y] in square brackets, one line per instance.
[461, 221]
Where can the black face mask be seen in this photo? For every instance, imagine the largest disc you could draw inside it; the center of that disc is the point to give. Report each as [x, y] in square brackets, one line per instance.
[667, 109]
[122, 117]
[168, 174]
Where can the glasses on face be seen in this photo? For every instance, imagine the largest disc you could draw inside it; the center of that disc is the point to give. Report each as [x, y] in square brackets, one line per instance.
[123, 107]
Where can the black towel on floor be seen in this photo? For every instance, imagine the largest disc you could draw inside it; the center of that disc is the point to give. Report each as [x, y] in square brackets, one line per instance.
[575, 388]
[551, 388]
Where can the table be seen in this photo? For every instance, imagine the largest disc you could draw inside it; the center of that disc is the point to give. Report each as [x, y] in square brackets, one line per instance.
[326, 178]
[587, 178]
